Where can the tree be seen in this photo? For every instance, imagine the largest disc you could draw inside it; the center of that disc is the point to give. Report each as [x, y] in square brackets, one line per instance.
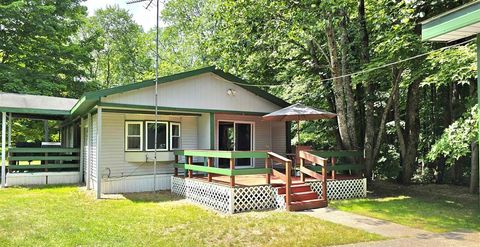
[124, 52]
[311, 48]
[38, 53]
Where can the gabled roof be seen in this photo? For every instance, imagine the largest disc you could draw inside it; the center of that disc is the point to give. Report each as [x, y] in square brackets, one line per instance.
[90, 99]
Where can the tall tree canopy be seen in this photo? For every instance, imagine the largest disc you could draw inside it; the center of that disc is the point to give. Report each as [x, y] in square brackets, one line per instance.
[38, 50]
[311, 48]
[124, 51]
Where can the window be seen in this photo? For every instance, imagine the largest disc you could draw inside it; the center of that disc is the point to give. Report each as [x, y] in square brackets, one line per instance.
[162, 134]
[174, 136]
[133, 136]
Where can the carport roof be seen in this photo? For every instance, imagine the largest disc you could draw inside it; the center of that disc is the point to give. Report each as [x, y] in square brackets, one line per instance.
[35, 104]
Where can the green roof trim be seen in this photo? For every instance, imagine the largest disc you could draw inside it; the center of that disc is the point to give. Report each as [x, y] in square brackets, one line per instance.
[450, 21]
[90, 99]
[34, 111]
[179, 110]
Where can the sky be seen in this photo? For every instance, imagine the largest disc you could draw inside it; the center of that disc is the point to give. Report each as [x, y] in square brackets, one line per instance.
[142, 16]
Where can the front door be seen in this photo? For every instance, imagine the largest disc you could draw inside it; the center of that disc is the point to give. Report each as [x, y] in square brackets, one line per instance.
[235, 136]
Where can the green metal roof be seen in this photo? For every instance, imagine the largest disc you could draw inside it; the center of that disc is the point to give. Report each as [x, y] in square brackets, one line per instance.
[90, 99]
[455, 24]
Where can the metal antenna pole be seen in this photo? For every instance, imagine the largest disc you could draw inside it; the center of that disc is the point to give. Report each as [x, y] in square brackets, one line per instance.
[156, 88]
[156, 102]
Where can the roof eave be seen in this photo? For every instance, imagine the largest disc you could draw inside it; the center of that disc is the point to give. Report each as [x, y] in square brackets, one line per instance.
[450, 21]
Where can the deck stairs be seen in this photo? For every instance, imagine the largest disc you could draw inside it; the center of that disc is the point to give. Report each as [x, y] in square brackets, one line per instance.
[303, 197]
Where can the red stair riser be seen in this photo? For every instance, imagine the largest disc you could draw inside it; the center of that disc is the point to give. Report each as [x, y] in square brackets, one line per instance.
[295, 189]
[303, 196]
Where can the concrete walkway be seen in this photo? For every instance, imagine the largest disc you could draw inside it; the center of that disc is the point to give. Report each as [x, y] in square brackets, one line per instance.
[400, 235]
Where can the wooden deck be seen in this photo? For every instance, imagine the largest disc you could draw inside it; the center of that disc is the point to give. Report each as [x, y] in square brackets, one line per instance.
[260, 179]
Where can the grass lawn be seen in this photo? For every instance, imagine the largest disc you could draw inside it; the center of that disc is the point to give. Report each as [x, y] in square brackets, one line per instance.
[69, 216]
[437, 208]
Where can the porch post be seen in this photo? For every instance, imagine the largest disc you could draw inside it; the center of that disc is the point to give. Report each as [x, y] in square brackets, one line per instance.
[82, 151]
[9, 129]
[99, 152]
[232, 167]
[89, 149]
[4, 132]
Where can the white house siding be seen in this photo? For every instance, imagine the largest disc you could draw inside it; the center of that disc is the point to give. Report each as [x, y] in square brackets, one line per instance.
[93, 153]
[203, 131]
[279, 138]
[115, 161]
[206, 91]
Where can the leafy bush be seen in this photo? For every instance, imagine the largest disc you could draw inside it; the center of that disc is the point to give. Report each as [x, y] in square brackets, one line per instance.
[456, 139]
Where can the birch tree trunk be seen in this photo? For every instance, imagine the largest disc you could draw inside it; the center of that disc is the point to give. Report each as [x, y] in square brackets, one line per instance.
[342, 92]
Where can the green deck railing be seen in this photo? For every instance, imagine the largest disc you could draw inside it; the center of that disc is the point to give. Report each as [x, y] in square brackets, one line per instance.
[338, 161]
[224, 171]
[21, 159]
[207, 167]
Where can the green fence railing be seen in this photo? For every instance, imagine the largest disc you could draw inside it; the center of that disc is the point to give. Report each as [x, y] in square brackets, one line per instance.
[43, 159]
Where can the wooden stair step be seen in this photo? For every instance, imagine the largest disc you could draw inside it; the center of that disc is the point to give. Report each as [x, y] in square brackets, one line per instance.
[304, 196]
[295, 188]
[307, 204]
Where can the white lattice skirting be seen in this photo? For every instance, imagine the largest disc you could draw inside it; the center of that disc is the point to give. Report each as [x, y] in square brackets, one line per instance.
[342, 189]
[240, 199]
[226, 199]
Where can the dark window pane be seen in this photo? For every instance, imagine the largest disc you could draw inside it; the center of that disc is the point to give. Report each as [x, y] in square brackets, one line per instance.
[175, 142]
[175, 130]
[161, 136]
[133, 143]
[133, 129]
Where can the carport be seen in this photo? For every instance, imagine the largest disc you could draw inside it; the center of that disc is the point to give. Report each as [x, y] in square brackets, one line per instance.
[34, 107]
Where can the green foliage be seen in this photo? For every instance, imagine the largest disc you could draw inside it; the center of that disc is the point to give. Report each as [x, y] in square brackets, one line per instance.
[37, 52]
[452, 65]
[123, 52]
[456, 139]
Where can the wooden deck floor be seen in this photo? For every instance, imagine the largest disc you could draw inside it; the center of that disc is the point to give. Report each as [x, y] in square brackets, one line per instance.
[252, 180]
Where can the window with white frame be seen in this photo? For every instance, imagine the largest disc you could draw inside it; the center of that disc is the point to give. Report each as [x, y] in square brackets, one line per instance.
[175, 136]
[133, 136]
[162, 135]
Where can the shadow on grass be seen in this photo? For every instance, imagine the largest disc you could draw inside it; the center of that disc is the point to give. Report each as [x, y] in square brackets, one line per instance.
[160, 196]
[46, 186]
[429, 213]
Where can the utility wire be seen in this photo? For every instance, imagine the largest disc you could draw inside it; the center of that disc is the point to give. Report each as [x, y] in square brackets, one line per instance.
[366, 70]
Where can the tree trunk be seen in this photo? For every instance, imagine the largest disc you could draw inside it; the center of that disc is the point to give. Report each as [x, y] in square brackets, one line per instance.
[408, 137]
[347, 82]
[338, 89]
[474, 169]
[369, 140]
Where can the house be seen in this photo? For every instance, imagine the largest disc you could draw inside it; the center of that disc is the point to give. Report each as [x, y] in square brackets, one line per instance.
[200, 109]
[209, 123]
